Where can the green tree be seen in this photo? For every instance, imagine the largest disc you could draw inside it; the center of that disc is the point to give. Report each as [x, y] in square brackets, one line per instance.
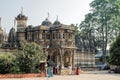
[106, 15]
[87, 30]
[114, 58]
[102, 22]
[76, 32]
[29, 57]
[8, 63]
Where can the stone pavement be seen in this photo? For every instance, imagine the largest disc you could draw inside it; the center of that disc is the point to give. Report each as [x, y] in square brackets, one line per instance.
[91, 75]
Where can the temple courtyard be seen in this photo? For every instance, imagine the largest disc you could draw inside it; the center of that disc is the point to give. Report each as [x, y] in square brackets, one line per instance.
[88, 75]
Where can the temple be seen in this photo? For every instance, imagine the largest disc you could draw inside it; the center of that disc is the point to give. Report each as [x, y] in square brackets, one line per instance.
[56, 38]
[3, 35]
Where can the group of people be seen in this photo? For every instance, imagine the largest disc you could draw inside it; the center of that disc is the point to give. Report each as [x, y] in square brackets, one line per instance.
[50, 71]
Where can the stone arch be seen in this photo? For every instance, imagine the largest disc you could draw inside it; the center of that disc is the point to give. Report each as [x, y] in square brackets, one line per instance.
[67, 58]
[55, 58]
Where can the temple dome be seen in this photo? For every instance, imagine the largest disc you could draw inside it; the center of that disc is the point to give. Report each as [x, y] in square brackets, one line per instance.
[56, 22]
[46, 22]
[12, 35]
[21, 17]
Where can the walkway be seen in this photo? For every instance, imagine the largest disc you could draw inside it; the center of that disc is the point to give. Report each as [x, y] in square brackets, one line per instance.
[91, 75]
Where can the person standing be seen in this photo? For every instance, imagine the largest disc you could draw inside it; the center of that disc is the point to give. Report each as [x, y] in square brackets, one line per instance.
[70, 69]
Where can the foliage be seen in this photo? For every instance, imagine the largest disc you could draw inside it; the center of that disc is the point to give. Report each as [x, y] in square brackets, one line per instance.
[102, 23]
[8, 63]
[29, 57]
[26, 60]
[114, 58]
[76, 32]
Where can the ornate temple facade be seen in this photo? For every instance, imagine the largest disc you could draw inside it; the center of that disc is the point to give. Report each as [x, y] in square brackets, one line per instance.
[57, 38]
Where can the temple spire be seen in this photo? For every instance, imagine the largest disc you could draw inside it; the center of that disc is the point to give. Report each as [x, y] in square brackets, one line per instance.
[48, 15]
[21, 10]
[0, 21]
[14, 22]
[57, 18]
[0, 24]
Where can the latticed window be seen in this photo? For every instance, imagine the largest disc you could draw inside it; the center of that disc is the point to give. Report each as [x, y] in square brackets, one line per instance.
[56, 35]
[43, 35]
[69, 36]
[59, 36]
[53, 36]
[0, 38]
[63, 35]
[48, 36]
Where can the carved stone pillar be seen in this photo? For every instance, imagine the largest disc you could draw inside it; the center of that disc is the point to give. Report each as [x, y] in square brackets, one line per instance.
[73, 58]
[61, 35]
[70, 59]
[61, 59]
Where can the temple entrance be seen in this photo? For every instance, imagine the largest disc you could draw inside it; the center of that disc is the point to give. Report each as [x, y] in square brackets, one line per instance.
[67, 59]
[63, 60]
[54, 59]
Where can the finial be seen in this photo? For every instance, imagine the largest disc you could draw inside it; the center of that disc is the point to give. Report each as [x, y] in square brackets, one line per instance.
[48, 16]
[14, 22]
[21, 10]
[57, 18]
[0, 21]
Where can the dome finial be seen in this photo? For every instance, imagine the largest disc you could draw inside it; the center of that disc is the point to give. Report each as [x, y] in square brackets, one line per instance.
[57, 18]
[14, 22]
[0, 21]
[0, 24]
[21, 10]
[48, 15]
[56, 21]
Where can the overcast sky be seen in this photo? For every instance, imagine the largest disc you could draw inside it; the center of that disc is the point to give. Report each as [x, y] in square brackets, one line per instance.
[68, 11]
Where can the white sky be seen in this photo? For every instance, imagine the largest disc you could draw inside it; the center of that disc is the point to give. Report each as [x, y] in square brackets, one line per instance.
[68, 11]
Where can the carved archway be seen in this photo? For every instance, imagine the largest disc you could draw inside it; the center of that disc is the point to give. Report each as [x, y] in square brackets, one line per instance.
[67, 58]
[55, 58]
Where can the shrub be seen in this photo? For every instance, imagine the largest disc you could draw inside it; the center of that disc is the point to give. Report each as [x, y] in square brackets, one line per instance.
[29, 56]
[114, 58]
[8, 63]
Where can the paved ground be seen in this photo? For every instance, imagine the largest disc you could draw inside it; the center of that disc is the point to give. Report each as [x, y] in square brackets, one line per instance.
[91, 75]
